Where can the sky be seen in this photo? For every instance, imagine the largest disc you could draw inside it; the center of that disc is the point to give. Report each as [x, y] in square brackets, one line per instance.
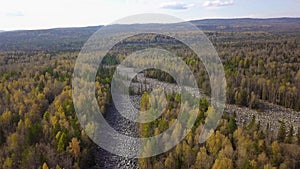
[44, 14]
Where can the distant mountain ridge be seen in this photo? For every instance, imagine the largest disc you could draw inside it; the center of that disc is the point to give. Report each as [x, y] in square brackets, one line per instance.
[250, 24]
[46, 39]
[72, 39]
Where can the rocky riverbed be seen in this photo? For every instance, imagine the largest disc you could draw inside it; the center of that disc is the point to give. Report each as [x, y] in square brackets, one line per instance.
[107, 160]
[270, 114]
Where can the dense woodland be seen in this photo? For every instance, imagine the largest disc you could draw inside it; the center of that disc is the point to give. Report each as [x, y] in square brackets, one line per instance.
[38, 124]
[258, 65]
[39, 127]
[230, 146]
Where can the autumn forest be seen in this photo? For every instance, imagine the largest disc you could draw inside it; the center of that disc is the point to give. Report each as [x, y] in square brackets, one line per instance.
[39, 127]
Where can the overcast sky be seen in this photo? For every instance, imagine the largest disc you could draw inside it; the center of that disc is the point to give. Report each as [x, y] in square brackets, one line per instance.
[41, 14]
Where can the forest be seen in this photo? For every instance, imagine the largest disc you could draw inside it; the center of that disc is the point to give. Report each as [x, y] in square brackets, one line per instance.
[39, 127]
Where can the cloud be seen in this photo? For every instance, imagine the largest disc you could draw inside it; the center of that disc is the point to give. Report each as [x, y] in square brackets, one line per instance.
[176, 5]
[217, 3]
[14, 14]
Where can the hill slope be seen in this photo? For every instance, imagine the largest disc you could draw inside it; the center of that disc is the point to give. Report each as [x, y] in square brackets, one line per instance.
[72, 39]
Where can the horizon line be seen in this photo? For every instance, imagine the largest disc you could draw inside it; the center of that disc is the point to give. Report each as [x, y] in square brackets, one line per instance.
[190, 20]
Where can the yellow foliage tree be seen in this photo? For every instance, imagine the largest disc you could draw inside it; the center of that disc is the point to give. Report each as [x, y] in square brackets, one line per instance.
[74, 147]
